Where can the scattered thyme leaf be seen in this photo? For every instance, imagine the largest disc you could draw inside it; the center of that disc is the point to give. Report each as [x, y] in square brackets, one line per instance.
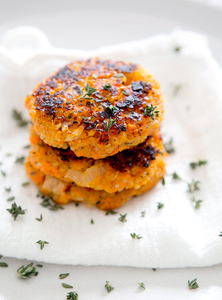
[107, 87]
[25, 272]
[25, 183]
[143, 213]
[120, 75]
[63, 276]
[142, 285]
[72, 296]
[111, 212]
[8, 189]
[11, 198]
[220, 233]
[15, 211]
[154, 269]
[20, 160]
[8, 154]
[163, 181]
[42, 244]
[89, 91]
[109, 124]
[160, 205]
[3, 173]
[177, 49]
[40, 266]
[17, 116]
[3, 265]
[126, 93]
[151, 112]
[135, 236]
[92, 222]
[122, 218]
[26, 147]
[176, 89]
[193, 186]
[193, 165]
[176, 176]
[168, 146]
[108, 287]
[39, 219]
[50, 204]
[198, 204]
[193, 284]
[67, 286]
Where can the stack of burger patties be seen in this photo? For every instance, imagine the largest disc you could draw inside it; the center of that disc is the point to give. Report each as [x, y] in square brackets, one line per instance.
[95, 134]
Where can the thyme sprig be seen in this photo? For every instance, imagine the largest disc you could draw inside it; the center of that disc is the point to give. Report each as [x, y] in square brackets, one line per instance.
[109, 124]
[72, 296]
[89, 91]
[142, 285]
[168, 146]
[25, 272]
[109, 287]
[123, 218]
[15, 211]
[135, 236]
[42, 244]
[193, 284]
[151, 112]
[17, 116]
[193, 165]
[193, 186]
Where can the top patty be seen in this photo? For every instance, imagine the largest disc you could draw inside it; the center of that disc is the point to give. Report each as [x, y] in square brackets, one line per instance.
[97, 108]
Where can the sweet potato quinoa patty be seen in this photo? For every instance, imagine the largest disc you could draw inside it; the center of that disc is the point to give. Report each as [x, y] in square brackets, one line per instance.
[130, 168]
[97, 108]
[63, 192]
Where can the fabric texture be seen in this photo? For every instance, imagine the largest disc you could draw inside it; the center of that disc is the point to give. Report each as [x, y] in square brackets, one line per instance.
[178, 235]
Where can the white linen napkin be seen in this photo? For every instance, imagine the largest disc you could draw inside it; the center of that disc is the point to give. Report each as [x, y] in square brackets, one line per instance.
[178, 235]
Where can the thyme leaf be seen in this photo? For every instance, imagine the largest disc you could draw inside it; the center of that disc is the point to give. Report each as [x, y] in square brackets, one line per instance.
[20, 160]
[135, 236]
[126, 93]
[168, 146]
[50, 204]
[42, 244]
[40, 266]
[143, 213]
[220, 233]
[11, 198]
[151, 112]
[25, 272]
[193, 186]
[163, 181]
[160, 205]
[193, 284]
[193, 165]
[120, 75]
[15, 211]
[112, 109]
[3, 265]
[198, 204]
[25, 183]
[122, 218]
[109, 124]
[17, 116]
[154, 269]
[63, 276]
[8, 189]
[3, 173]
[176, 176]
[39, 219]
[66, 286]
[72, 296]
[92, 222]
[142, 285]
[110, 212]
[107, 87]
[108, 287]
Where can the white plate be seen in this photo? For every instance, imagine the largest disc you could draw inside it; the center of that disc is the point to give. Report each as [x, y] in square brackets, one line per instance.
[86, 28]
